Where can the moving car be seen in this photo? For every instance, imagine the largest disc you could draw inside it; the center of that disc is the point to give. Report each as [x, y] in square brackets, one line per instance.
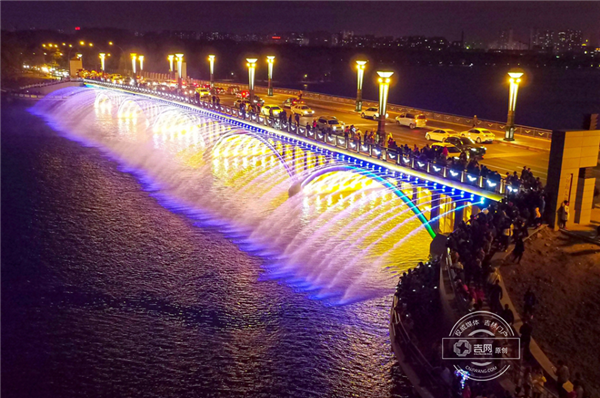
[288, 103]
[453, 151]
[117, 79]
[372, 112]
[239, 102]
[233, 90]
[466, 144]
[479, 135]
[302, 110]
[266, 110]
[203, 92]
[257, 100]
[412, 120]
[337, 126]
[440, 134]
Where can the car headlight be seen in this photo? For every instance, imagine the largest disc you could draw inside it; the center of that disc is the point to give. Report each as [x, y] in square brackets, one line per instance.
[305, 112]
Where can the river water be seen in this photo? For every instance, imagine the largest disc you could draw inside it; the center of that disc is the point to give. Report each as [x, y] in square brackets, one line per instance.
[115, 282]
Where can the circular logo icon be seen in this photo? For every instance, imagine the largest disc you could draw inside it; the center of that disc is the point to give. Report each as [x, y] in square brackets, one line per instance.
[481, 346]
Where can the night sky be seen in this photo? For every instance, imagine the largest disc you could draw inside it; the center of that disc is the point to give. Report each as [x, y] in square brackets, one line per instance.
[479, 20]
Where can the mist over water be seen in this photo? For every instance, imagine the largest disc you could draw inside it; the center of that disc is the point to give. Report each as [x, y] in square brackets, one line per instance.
[138, 263]
[324, 240]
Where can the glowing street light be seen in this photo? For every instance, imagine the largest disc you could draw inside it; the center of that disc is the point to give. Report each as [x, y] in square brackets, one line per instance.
[170, 58]
[102, 57]
[82, 43]
[384, 87]
[360, 67]
[110, 43]
[133, 58]
[179, 70]
[251, 68]
[141, 58]
[515, 79]
[79, 55]
[179, 64]
[211, 61]
[91, 44]
[270, 62]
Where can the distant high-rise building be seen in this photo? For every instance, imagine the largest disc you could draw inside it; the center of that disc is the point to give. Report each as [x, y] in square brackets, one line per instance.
[567, 41]
[557, 42]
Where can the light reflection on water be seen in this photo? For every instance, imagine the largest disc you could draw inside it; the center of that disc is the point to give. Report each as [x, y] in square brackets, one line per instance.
[241, 321]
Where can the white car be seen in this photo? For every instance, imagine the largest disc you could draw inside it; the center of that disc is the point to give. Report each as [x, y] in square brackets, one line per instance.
[440, 134]
[266, 110]
[412, 120]
[372, 113]
[302, 110]
[479, 135]
[337, 126]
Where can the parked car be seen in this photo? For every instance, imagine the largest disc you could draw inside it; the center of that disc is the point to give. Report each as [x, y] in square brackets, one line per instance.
[266, 110]
[337, 126]
[220, 90]
[372, 113]
[453, 151]
[412, 120]
[302, 110]
[292, 101]
[466, 144]
[479, 135]
[440, 134]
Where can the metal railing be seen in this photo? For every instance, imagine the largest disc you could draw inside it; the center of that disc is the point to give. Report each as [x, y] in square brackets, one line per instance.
[52, 83]
[392, 156]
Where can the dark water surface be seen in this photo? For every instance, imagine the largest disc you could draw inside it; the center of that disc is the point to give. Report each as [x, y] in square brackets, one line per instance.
[106, 293]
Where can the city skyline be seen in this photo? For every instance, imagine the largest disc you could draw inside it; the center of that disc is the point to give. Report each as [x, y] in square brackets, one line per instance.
[480, 21]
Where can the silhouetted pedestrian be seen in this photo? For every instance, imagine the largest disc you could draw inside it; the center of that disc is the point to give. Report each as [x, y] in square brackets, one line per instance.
[529, 302]
[508, 315]
[518, 250]
[525, 332]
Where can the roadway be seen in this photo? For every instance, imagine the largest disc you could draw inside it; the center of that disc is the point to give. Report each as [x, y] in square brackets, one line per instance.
[530, 152]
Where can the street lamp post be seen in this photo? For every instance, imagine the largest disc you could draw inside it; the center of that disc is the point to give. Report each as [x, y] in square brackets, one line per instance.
[170, 58]
[102, 57]
[515, 79]
[360, 66]
[384, 87]
[251, 68]
[179, 67]
[133, 58]
[270, 61]
[211, 61]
